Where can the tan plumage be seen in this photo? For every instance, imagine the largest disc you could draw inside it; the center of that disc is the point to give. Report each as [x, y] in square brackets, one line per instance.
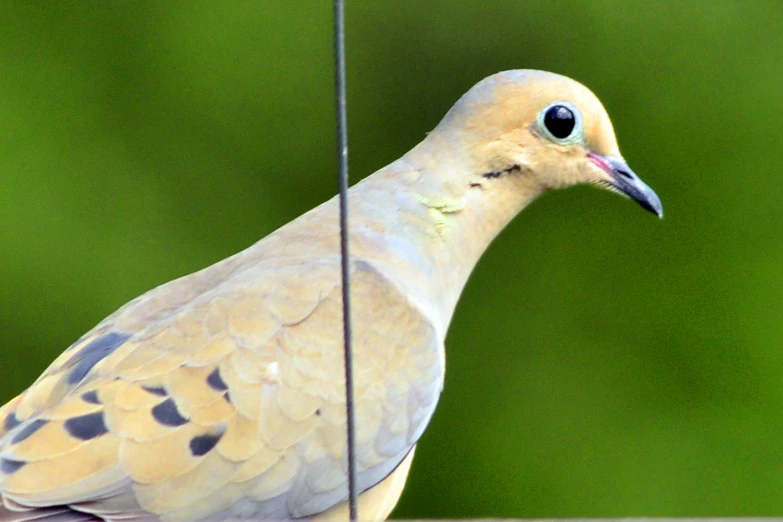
[221, 394]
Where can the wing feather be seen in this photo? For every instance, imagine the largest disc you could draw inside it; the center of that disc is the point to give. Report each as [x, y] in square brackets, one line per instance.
[225, 403]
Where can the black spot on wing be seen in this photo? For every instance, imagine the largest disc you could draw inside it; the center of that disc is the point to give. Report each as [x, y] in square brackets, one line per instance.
[27, 430]
[11, 421]
[202, 444]
[216, 382]
[167, 414]
[91, 397]
[106, 343]
[155, 390]
[85, 359]
[8, 466]
[86, 427]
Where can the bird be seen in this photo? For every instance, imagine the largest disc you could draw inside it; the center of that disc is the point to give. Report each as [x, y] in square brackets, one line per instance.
[221, 394]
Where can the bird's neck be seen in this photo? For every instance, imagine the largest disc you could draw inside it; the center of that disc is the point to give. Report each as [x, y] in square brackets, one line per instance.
[428, 218]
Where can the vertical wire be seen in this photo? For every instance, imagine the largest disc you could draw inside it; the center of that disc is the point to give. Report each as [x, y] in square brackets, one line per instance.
[342, 163]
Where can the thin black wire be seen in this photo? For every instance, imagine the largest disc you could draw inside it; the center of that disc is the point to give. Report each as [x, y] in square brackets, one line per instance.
[342, 163]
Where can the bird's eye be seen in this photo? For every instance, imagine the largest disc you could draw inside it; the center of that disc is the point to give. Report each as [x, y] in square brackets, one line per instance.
[562, 123]
[559, 121]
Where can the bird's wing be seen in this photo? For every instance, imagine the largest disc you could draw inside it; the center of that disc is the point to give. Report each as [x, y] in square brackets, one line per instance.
[229, 403]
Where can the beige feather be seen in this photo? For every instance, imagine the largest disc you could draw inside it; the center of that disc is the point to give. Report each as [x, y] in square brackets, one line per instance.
[221, 394]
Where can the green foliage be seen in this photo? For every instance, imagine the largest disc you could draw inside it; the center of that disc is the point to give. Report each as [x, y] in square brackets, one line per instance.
[601, 362]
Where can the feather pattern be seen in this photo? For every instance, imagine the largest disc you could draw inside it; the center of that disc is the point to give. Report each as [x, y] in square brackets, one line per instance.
[220, 400]
[221, 394]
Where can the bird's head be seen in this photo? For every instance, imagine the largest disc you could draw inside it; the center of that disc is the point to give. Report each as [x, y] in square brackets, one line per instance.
[545, 126]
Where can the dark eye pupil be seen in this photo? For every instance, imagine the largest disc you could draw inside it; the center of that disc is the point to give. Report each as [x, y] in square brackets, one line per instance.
[560, 121]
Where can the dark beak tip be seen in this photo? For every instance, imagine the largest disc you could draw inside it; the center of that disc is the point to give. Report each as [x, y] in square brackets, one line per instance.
[654, 206]
[628, 183]
[653, 203]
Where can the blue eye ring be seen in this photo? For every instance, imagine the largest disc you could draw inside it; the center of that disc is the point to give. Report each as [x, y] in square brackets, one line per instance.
[561, 122]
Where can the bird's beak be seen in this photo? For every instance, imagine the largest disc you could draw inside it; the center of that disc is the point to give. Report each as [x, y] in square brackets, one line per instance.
[626, 182]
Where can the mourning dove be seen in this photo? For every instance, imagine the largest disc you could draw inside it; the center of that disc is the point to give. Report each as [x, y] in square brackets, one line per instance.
[221, 394]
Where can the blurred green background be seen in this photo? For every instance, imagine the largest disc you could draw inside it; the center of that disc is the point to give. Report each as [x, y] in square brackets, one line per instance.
[601, 362]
